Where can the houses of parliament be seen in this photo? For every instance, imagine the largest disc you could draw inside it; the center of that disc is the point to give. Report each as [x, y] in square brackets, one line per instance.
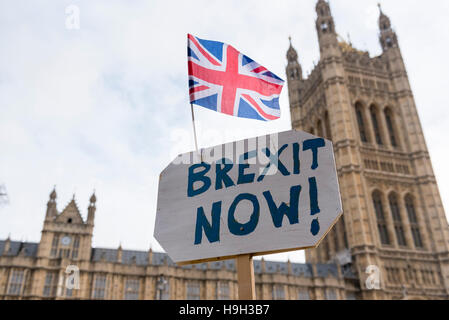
[393, 229]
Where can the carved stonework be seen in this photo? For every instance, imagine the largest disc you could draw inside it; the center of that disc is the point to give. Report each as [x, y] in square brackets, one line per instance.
[387, 160]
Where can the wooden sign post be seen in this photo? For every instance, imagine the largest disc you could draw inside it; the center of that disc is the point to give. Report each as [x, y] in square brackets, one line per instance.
[245, 277]
[252, 197]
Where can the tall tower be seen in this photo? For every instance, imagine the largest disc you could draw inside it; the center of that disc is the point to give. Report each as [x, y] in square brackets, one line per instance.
[393, 215]
[66, 235]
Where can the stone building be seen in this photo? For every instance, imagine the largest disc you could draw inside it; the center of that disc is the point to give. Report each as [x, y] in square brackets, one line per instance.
[47, 270]
[393, 226]
[393, 215]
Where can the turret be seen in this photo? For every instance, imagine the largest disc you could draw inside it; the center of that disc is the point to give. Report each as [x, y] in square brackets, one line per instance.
[91, 209]
[387, 37]
[293, 69]
[325, 26]
[51, 206]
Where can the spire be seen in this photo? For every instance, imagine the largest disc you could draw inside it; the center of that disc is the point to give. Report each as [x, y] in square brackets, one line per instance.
[387, 36]
[292, 55]
[119, 253]
[53, 194]
[325, 25]
[150, 256]
[294, 71]
[51, 205]
[384, 21]
[93, 198]
[289, 266]
[91, 209]
[7, 246]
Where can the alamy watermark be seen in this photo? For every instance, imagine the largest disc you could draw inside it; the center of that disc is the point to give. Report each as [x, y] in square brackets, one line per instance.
[373, 280]
[72, 280]
[72, 20]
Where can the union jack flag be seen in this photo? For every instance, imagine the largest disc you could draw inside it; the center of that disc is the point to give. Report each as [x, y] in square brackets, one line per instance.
[224, 80]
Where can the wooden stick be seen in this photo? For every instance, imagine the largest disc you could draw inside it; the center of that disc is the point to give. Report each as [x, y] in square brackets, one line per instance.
[245, 277]
[194, 129]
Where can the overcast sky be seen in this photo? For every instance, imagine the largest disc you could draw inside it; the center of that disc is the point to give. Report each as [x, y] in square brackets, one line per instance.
[105, 106]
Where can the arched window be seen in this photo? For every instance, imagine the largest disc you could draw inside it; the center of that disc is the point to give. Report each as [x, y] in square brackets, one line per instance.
[396, 214]
[381, 222]
[361, 122]
[327, 126]
[76, 245]
[319, 128]
[345, 236]
[375, 122]
[411, 212]
[390, 127]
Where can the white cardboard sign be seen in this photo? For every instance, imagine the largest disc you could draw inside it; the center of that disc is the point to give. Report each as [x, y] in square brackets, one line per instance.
[263, 195]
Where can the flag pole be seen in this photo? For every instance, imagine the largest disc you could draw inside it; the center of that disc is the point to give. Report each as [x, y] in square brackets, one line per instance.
[194, 128]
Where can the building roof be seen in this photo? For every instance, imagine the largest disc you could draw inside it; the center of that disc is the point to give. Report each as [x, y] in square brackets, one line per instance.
[28, 249]
[140, 258]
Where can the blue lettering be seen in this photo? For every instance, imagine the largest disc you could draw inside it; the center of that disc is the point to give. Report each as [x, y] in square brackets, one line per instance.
[198, 176]
[274, 159]
[314, 208]
[296, 162]
[222, 174]
[313, 195]
[245, 178]
[277, 213]
[314, 144]
[241, 229]
[212, 231]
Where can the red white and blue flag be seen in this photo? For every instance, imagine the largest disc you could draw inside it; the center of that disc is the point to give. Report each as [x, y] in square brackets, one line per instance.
[224, 80]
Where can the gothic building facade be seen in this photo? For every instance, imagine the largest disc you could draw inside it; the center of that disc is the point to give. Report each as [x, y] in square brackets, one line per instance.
[63, 265]
[394, 222]
[393, 228]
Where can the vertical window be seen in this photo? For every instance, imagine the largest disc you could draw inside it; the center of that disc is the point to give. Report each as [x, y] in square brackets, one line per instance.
[331, 294]
[193, 291]
[54, 245]
[328, 126]
[223, 290]
[390, 127]
[345, 236]
[381, 223]
[76, 245]
[64, 253]
[16, 282]
[326, 250]
[376, 125]
[99, 291]
[303, 294]
[163, 288]
[132, 287]
[360, 122]
[335, 238]
[319, 129]
[50, 284]
[278, 292]
[396, 214]
[350, 296]
[411, 212]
